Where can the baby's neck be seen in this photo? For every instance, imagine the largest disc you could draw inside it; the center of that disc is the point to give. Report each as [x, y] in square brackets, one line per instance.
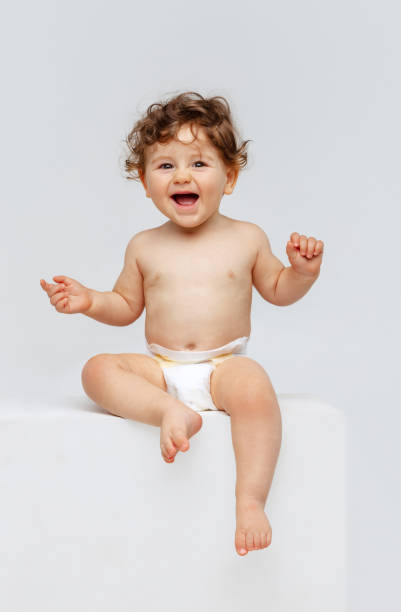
[213, 222]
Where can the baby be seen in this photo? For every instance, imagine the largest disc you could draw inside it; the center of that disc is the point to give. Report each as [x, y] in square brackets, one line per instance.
[194, 275]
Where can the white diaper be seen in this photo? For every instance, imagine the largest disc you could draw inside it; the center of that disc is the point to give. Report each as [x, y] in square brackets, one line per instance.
[187, 373]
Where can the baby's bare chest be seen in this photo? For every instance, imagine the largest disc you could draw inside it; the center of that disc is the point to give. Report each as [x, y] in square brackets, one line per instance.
[195, 271]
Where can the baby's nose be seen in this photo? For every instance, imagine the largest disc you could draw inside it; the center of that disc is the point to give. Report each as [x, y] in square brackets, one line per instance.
[183, 175]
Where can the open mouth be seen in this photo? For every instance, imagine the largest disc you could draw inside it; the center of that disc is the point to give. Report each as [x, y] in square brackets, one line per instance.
[185, 199]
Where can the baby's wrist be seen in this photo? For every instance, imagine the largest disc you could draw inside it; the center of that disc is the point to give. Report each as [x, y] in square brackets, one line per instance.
[305, 276]
[91, 297]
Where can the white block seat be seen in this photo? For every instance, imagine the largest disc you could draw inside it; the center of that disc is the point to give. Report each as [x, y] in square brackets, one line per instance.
[92, 518]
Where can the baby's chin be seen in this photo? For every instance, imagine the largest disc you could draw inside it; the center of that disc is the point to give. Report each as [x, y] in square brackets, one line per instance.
[189, 226]
[193, 222]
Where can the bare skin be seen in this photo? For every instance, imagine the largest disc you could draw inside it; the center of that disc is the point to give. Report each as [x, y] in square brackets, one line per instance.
[194, 275]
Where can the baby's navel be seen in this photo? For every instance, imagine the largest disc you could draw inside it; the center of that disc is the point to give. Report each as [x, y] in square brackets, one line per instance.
[190, 346]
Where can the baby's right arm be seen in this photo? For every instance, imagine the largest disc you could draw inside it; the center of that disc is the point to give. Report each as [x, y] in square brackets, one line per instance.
[121, 306]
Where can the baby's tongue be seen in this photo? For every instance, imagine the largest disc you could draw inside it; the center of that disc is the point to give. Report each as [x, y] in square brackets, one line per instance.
[186, 198]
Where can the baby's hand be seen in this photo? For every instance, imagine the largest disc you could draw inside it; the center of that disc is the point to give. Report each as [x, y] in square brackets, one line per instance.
[68, 296]
[305, 254]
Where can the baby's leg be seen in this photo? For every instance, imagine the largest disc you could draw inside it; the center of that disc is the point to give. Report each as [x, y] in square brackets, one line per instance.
[242, 388]
[132, 386]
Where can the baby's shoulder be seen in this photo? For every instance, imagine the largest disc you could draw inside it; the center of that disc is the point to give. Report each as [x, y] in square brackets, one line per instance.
[250, 230]
[142, 238]
[137, 246]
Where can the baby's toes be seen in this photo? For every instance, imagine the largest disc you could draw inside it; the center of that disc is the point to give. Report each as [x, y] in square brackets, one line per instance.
[180, 440]
[168, 452]
[249, 541]
[256, 540]
[266, 539]
[240, 542]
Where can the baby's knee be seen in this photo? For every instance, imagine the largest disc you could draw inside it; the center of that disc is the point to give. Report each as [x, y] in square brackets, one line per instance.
[94, 369]
[251, 385]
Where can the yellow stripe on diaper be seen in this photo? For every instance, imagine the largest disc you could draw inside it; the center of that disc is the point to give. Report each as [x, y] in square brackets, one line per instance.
[165, 362]
[221, 358]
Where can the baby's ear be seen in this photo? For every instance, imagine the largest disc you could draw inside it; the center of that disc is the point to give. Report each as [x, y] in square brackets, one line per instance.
[232, 176]
[142, 177]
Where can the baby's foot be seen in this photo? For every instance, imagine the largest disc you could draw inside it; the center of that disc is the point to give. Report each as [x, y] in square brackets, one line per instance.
[253, 527]
[178, 425]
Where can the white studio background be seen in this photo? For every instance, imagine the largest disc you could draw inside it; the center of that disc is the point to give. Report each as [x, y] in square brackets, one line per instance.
[316, 86]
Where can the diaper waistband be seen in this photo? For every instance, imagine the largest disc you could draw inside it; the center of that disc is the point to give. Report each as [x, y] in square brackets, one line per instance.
[235, 346]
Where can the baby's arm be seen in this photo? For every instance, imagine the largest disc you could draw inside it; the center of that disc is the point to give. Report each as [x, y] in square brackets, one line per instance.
[282, 285]
[121, 306]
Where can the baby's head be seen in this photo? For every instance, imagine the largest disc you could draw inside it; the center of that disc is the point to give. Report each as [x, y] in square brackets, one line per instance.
[186, 144]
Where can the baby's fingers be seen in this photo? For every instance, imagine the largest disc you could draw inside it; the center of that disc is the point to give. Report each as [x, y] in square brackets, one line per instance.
[43, 284]
[52, 289]
[310, 248]
[62, 279]
[62, 304]
[318, 247]
[60, 295]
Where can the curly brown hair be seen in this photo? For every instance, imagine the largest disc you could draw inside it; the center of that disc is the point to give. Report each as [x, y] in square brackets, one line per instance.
[163, 119]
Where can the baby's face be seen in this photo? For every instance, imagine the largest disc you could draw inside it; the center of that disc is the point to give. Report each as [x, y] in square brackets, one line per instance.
[187, 165]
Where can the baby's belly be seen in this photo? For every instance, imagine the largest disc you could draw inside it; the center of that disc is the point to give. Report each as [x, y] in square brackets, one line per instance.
[200, 326]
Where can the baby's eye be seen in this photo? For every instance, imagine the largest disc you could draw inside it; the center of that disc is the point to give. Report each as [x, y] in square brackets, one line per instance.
[168, 164]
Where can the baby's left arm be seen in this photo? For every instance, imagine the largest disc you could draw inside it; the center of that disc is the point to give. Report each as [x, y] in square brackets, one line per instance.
[277, 284]
[305, 255]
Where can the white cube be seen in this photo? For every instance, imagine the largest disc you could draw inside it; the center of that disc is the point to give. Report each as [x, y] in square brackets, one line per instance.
[93, 519]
